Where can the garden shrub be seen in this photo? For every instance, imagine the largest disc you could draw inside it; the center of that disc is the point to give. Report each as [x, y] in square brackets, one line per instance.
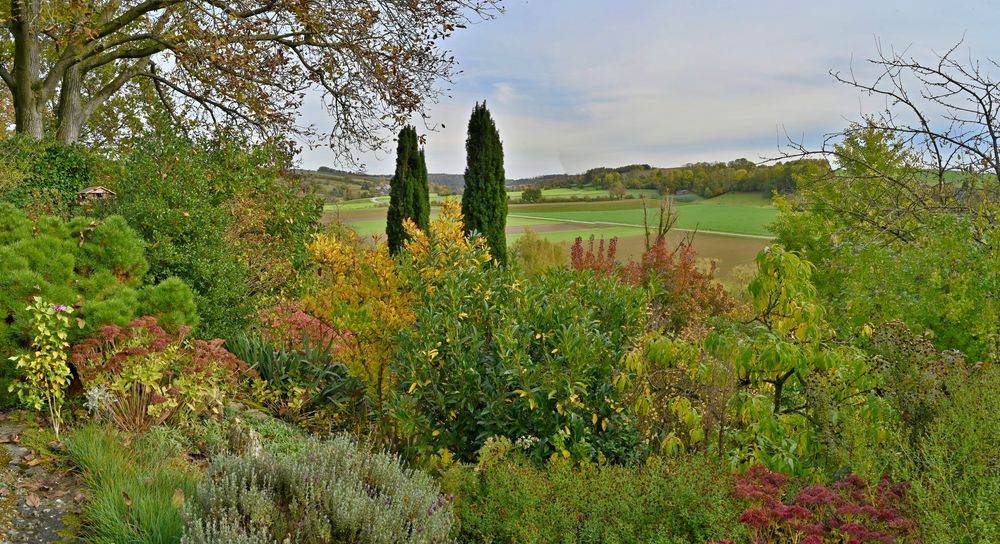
[140, 376]
[493, 356]
[46, 374]
[359, 291]
[849, 510]
[332, 491]
[303, 384]
[136, 486]
[954, 467]
[287, 325]
[534, 254]
[916, 379]
[944, 281]
[507, 499]
[171, 302]
[774, 391]
[96, 266]
[682, 294]
[218, 215]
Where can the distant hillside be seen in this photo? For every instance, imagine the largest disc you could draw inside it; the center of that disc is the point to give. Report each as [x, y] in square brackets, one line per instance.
[455, 182]
[338, 185]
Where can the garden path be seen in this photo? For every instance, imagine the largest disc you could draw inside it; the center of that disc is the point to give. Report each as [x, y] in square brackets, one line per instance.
[38, 499]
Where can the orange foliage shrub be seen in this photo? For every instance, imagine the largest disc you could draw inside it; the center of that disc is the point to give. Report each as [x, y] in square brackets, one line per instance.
[360, 292]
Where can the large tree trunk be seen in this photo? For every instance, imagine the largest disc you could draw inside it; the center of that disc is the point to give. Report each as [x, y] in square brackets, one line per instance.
[28, 116]
[71, 110]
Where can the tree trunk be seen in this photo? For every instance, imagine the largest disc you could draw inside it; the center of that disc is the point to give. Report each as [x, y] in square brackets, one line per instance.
[71, 111]
[28, 117]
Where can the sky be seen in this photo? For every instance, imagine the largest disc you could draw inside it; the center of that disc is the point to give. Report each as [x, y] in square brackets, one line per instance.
[577, 84]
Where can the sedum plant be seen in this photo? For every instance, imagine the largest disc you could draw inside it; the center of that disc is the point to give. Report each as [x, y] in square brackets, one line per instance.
[332, 491]
[45, 371]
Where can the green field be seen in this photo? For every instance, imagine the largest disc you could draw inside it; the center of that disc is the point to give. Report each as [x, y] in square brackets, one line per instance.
[732, 213]
[586, 193]
[731, 227]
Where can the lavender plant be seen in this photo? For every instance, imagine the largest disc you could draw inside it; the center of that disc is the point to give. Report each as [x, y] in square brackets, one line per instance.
[331, 491]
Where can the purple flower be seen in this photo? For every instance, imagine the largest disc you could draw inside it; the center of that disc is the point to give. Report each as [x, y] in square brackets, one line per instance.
[59, 308]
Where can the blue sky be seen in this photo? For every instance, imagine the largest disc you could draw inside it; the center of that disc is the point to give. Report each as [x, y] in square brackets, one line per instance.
[575, 84]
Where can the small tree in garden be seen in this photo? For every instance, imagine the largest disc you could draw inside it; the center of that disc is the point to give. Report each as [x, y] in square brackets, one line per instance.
[46, 373]
[484, 202]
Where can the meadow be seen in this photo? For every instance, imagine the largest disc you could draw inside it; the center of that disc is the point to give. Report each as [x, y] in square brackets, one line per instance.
[729, 229]
[581, 193]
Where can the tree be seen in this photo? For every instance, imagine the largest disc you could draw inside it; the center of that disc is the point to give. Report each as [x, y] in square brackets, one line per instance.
[617, 190]
[934, 150]
[409, 197]
[250, 62]
[531, 194]
[484, 202]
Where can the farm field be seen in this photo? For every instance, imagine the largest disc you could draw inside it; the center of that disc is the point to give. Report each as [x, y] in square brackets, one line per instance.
[514, 195]
[731, 228]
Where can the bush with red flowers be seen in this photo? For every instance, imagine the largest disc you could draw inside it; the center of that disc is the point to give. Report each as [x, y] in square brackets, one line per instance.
[850, 511]
[140, 375]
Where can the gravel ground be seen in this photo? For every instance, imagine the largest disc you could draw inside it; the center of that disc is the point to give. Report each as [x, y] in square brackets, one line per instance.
[38, 501]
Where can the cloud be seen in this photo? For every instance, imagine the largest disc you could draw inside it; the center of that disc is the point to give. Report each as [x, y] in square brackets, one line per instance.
[669, 82]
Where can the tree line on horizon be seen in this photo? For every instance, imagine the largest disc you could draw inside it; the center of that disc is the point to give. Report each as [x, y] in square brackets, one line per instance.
[707, 179]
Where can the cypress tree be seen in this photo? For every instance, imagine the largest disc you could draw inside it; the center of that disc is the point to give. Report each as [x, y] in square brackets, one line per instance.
[484, 202]
[421, 194]
[408, 193]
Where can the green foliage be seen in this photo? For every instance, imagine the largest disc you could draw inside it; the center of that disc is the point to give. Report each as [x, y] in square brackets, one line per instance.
[333, 491]
[95, 266]
[45, 370]
[44, 176]
[774, 391]
[484, 202]
[171, 302]
[916, 379]
[951, 465]
[493, 356]
[506, 499]
[954, 470]
[797, 378]
[535, 254]
[889, 245]
[304, 384]
[136, 485]
[409, 196]
[531, 194]
[219, 217]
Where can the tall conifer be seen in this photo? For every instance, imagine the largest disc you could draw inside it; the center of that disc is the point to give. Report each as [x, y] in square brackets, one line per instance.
[484, 202]
[408, 194]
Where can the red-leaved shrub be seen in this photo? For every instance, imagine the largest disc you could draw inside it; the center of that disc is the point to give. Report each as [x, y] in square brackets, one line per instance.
[287, 325]
[600, 260]
[848, 511]
[141, 375]
[681, 292]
